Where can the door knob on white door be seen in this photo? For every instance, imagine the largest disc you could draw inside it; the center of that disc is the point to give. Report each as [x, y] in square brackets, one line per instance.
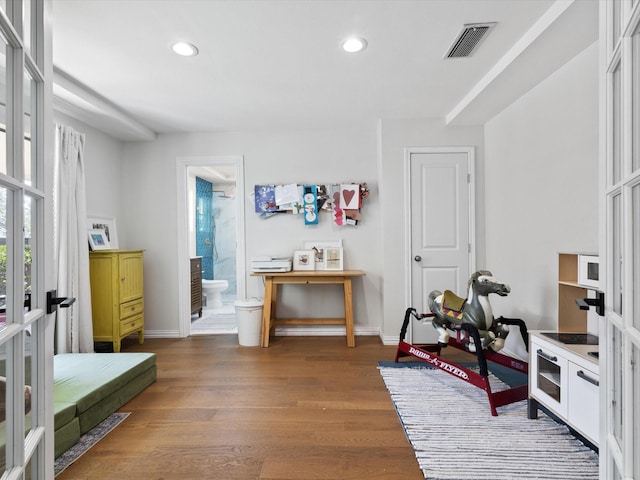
[417, 258]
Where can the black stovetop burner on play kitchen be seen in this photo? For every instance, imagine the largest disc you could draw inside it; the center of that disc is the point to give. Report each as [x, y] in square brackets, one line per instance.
[573, 338]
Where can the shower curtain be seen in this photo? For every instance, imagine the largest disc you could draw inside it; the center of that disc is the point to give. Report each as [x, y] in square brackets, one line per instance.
[74, 326]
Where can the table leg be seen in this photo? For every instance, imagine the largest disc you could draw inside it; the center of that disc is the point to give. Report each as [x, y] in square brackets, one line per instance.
[274, 310]
[348, 313]
[266, 311]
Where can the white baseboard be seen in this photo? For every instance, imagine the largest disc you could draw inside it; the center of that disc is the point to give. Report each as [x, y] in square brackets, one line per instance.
[162, 334]
[291, 331]
[390, 340]
[322, 331]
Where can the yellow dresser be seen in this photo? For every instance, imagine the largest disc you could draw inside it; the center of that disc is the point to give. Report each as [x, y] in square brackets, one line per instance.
[117, 300]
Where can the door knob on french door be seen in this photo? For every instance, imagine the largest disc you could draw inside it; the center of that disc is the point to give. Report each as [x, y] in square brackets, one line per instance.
[417, 258]
[54, 301]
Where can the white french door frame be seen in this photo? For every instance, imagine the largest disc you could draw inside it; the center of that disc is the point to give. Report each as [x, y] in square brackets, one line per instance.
[26, 33]
[619, 137]
[408, 197]
[184, 296]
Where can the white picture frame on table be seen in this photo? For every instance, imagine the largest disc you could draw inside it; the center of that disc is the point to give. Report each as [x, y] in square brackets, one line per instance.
[304, 260]
[318, 247]
[108, 224]
[333, 258]
[98, 239]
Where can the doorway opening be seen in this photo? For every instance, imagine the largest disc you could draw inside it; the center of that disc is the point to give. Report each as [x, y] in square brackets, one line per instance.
[211, 193]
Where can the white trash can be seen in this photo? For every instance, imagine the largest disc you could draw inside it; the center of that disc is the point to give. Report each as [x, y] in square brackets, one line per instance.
[249, 316]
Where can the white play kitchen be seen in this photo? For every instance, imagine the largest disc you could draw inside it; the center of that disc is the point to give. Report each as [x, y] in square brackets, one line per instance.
[563, 364]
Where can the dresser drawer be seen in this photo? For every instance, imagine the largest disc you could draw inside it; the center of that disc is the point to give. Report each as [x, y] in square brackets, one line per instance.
[131, 324]
[131, 308]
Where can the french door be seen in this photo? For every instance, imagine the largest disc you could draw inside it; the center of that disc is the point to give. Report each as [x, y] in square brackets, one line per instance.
[620, 238]
[26, 337]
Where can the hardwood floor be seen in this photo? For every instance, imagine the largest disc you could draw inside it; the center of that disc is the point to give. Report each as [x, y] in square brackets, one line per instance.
[304, 408]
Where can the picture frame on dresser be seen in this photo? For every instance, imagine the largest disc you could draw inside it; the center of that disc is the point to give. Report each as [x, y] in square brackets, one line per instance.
[106, 223]
[98, 239]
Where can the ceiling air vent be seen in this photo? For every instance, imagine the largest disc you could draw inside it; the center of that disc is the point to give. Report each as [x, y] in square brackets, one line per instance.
[468, 39]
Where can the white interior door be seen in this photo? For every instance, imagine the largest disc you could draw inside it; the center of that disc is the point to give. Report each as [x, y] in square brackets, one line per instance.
[620, 240]
[441, 222]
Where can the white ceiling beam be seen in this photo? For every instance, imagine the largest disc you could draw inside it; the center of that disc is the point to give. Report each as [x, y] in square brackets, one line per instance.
[540, 51]
[77, 100]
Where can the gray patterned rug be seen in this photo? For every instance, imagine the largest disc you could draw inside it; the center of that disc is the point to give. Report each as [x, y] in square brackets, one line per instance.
[454, 436]
[88, 440]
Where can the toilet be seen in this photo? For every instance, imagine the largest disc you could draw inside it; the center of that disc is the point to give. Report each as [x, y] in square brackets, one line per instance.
[214, 289]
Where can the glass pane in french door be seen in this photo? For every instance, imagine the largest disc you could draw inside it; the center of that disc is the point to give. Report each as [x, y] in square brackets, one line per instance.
[3, 109]
[616, 127]
[26, 26]
[616, 472]
[29, 126]
[29, 213]
[3, 145]
[635, 121]
[635, 355]
[635, 245]
[3, 430]
[617, 374]
[616, 218]
[7, 262]
[3, 257]
[617, 20]
[28, 387]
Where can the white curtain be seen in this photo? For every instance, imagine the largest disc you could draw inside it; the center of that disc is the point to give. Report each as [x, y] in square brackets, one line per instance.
[74, 326]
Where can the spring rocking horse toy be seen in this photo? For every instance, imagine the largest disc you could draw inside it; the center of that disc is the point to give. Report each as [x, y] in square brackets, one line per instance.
[477, 332]
[451, 310]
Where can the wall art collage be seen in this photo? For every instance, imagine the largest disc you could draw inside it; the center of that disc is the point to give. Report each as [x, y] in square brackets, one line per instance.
[342, 201]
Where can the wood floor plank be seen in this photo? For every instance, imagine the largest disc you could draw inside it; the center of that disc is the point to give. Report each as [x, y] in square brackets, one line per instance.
[306, 408]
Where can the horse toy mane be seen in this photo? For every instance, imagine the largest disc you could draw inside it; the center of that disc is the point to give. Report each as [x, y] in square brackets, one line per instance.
[452, 311]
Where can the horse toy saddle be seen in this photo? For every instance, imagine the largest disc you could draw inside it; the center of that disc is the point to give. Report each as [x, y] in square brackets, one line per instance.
[452, 305]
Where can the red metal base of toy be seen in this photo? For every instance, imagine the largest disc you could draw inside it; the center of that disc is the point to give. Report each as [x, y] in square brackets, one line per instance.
[430, 354]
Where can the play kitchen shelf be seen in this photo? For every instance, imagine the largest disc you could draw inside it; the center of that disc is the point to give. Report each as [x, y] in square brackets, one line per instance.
[574, 283]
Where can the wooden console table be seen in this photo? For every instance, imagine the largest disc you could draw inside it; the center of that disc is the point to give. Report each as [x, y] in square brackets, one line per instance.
[316, 277]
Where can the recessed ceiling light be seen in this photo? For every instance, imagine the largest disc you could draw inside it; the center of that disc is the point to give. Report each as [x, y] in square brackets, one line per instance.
[185, 49]
[354, 44]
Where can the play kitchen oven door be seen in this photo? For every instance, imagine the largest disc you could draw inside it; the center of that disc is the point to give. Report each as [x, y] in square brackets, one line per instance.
[548, 378]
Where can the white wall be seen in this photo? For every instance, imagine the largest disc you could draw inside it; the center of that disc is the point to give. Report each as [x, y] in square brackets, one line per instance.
[395, 136]
[541, 187]
[539, 159]
[149, 191]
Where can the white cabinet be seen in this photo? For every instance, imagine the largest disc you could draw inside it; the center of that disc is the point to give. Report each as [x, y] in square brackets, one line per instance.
[582, 409]
[564, 379]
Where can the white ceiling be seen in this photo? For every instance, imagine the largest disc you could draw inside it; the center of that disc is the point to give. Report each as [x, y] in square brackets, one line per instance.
[277, 64]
